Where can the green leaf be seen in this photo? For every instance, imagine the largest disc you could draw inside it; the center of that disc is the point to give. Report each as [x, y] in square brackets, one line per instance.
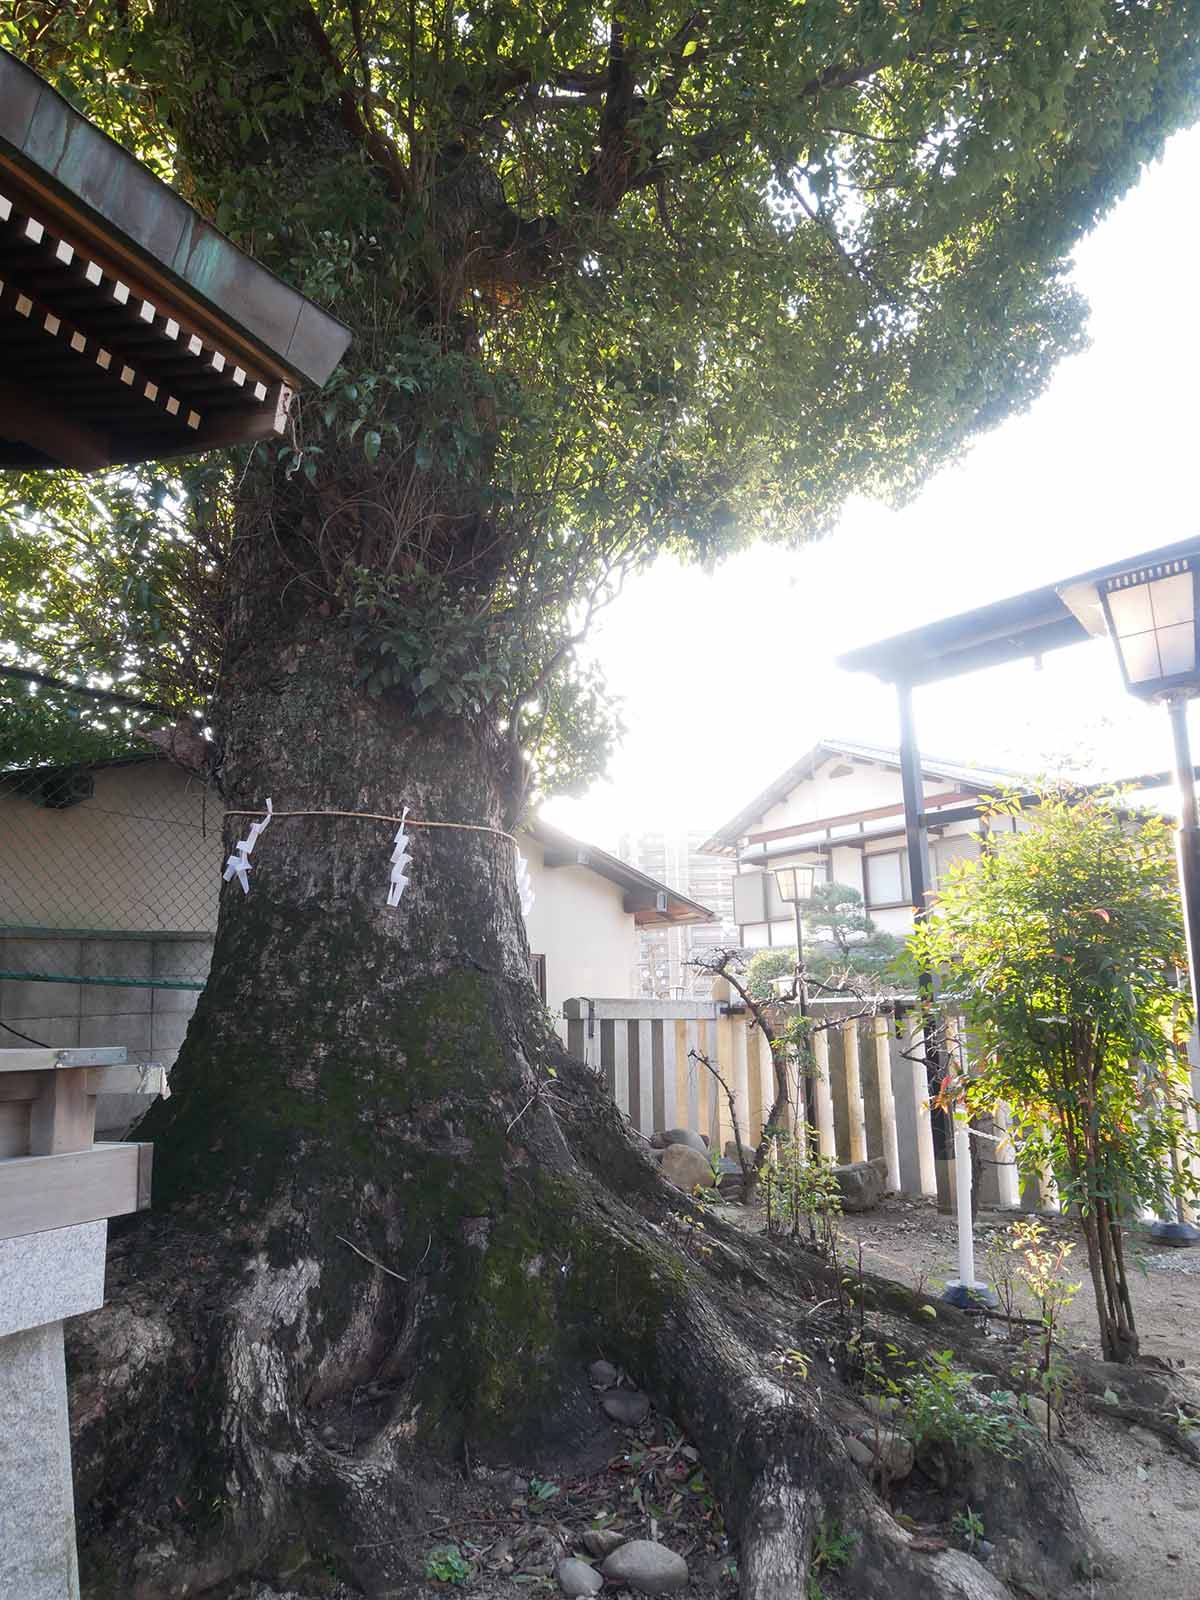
[371, 443]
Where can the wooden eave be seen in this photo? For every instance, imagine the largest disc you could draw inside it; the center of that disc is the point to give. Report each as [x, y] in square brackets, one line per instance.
[130, 329]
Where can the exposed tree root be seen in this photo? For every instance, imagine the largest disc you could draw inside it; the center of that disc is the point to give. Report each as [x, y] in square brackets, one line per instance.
[218, 1398]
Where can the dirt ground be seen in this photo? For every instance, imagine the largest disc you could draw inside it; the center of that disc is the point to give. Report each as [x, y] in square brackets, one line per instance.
[509, 1528]
[1141, 1498]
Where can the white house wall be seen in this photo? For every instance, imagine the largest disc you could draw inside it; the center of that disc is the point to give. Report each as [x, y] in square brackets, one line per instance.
[579, 924]
[863, 788]
[866, 787]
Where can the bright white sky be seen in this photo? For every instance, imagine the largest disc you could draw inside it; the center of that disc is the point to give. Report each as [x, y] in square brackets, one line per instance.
[727, 679]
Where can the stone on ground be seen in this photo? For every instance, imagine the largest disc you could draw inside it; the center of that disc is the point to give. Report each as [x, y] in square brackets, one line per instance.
[576, 1577]
[626, 1406]
[603, 1374]
[694, 1141]
[647, 1567]
[686, 1168]
[861, 1185]
[602, 1541]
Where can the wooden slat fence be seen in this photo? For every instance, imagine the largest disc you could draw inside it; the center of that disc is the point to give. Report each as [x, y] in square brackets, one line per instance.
[872, 1101]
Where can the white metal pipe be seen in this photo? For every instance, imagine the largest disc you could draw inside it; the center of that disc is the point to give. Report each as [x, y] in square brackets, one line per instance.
[962, 1196]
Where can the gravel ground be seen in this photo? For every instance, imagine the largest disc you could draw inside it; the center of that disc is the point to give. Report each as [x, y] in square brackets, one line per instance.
[1141, 1499]
[911, 1240]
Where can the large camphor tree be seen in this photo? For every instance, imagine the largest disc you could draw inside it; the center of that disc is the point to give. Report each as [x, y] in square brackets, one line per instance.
[622, 278]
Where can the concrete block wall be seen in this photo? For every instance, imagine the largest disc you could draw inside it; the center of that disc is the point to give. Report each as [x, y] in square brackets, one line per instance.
[150, 1023]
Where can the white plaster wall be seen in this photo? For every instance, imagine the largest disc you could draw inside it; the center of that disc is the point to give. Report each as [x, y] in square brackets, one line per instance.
[578, 923]
[864, 788]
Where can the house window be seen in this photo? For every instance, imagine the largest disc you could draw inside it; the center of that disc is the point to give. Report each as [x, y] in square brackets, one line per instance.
[537, 971]
[960, 847]
[886, 876]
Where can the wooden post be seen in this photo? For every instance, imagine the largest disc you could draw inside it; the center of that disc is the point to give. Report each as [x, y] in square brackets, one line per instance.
[621, 1064]
[739, 1076]
[63, 1117]
[1007, 1178]
[826, 1141]
[644, 1111]
[856, 1111]
[693, 1069]
[920, 1087]
[670, 1073]
[881, 1034]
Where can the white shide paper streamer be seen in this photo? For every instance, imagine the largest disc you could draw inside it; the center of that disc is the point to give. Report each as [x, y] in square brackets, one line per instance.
[400, 861]
[238, 864]
[524, 887]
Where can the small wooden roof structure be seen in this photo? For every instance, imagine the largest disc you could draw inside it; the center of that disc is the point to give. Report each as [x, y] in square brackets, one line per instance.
[1012, 629]
[651, 903]
[130, 328]
[1021, 626]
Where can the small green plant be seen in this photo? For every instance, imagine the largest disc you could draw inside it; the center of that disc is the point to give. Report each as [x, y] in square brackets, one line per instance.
[799, 1188]
[1040, 1266]
[833, 1548]
[968, 1527]
[795, 1363]
[942, 1404]
[447, 1564]
[542, 1489]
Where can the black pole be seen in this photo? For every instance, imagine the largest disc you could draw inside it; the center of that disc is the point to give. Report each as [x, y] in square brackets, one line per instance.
[917, 840]
[1188, 841]
[1180, 1232]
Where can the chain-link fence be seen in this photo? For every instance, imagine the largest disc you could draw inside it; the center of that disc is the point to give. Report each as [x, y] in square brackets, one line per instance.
[109, 879]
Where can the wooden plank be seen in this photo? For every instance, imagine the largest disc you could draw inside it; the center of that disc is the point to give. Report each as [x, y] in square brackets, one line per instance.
[854, 1095]
[641, 1010]
[881, 1039]
[826, 1139]
[14, 1129]
[633, 1107]
[667, 1044]
[604, 1044]
[766, 1080]
[92, 354]
[42, 1192]
[693, 1069]
[20, 1086]
[739, 1034]
[872, 814]
[752, 1133]
[148, 1078]
[920, 1089]
[576, 1039]
[63, 1117]
[646, 1076]
[620, 1032]
[1007, 1177]
[41, 427]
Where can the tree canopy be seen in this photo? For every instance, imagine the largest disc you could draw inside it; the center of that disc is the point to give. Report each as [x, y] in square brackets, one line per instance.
[622, 279]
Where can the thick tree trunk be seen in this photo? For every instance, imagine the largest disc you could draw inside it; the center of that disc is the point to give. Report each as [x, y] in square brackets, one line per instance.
[378, 1176]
